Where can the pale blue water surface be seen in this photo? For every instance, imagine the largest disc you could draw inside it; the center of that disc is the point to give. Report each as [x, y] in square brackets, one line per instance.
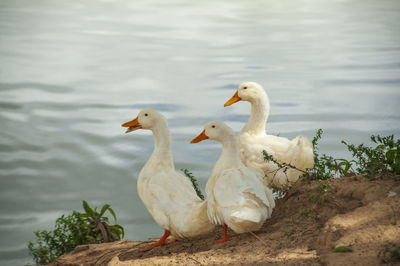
[72, 71]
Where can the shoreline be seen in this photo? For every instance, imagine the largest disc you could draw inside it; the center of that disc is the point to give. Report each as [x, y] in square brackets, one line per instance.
[311, 220]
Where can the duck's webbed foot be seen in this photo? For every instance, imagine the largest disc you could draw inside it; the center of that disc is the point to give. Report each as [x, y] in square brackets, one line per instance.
[160, 242]
[224, 238]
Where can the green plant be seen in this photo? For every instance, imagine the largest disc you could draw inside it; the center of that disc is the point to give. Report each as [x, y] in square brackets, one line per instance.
[384, 158]
[321, 196]
[99, 229]
[189, 175]
[66, 236]
[391, 255]
[73, 230]
[325, 166]
[280, 165]
[305, 213]
[342, 249]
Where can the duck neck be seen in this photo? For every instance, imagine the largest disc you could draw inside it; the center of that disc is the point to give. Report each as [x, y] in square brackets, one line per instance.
[230, 153]
[162, 154]
[258, 117]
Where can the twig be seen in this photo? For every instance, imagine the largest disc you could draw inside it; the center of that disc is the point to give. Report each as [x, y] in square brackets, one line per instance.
[256, 236]
[196, 261]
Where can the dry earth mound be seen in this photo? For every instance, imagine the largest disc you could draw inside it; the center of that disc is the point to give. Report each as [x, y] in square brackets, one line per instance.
[307, 224]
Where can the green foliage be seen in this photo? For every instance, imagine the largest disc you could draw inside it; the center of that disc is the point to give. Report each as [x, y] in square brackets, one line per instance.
[342, 249]
[384, 158]
[391, 255]
[305, 213]
[194, 182]
[321, 197]
[281, 165]
[76, 229]
[66, 235]
[325, 166]
[99, 229]
[323, 187]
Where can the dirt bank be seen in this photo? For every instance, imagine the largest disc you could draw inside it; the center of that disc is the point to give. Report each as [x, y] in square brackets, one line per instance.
[307, 224]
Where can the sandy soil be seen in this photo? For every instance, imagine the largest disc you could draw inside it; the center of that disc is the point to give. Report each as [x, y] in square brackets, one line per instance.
[307, 224]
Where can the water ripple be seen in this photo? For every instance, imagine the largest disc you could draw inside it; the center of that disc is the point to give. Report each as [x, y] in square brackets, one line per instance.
[53, 88]
[72, 72]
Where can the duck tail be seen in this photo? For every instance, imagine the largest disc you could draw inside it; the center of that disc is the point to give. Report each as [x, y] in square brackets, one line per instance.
[245, 220]
[306, 155]
[197, 222]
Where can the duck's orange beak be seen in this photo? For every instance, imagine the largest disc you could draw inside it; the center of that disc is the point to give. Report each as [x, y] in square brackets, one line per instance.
[132, 125]
[200, 137]
[235, 98]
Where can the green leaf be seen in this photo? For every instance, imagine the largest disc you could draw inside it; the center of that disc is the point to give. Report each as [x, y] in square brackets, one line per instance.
[103, 209]
[87, 209]
[390, 156]
[112, 213]
[342, 249]
[118, 229]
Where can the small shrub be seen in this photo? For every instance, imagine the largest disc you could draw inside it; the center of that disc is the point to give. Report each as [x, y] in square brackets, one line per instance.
[390, 254]
[342, 249]
[65, 237]
[73, 230]
[384, 158]
[189, 175]
[305, 213]
[325, 166]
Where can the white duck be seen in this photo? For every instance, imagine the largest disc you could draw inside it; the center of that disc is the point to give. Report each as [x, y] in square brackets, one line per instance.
[169, 196]
[253, 140]
[236, 195]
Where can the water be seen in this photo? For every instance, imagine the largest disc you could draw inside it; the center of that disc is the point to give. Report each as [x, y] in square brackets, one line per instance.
[72, 71]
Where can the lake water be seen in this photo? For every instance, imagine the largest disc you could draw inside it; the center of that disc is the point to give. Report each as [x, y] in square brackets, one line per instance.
[72, 71]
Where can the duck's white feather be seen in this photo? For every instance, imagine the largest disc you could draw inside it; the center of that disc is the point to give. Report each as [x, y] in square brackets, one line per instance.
[236, 195]
[168, 195]
[297, 152]
[253, 140]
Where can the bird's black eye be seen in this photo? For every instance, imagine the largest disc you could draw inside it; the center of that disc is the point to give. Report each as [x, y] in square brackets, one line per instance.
[213, 126]
[146, 114]
[245, 88]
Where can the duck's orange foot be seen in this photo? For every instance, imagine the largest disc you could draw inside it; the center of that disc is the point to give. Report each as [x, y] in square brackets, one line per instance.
[159, 243]
[173, 240]
[151, 247]
[223, 240]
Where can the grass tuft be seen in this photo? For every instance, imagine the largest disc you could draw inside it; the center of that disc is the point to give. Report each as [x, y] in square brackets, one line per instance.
[342, 249]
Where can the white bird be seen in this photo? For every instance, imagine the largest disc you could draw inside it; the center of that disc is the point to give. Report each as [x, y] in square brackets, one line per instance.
[253, 140]
[168, 195]
[236, 195]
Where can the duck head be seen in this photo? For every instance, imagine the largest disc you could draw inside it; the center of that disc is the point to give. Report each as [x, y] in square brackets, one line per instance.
[247, 91]
[146, 119]
[215, 131]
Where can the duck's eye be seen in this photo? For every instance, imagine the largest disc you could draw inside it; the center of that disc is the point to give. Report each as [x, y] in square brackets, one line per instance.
[245, 88]
[146, 114]
[213, 126]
